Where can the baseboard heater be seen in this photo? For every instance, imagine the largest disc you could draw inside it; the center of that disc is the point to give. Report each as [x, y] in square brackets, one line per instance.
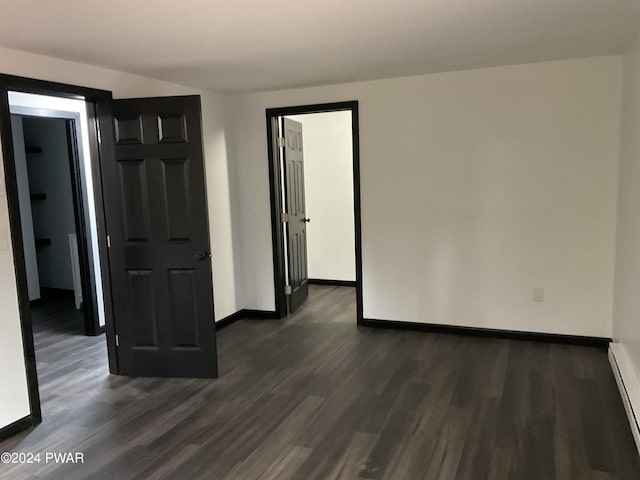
[628, 386]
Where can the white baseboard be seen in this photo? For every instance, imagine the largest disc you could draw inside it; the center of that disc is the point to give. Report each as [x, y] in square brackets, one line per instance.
[628, 385]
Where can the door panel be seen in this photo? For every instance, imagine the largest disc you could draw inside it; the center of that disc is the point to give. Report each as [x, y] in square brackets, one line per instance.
[155, 200]
[183, 298]
[142, 311]
[297, 227]
[135, 200]
[176, 198]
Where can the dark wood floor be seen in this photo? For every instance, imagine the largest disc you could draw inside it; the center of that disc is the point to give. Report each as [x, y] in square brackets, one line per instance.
[313, 397]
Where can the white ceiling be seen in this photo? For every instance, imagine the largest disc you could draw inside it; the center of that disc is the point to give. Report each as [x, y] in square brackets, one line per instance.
[240, 45]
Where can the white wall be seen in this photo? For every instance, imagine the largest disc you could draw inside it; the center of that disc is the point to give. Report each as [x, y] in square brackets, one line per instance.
[220, 199]
[14, 398]
[328, 180]
[626, 318]
[53, 218]
[26, 219]
[476, 187]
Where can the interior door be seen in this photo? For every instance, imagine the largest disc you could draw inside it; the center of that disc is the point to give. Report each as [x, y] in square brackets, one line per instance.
[297, 226]
[157, 222]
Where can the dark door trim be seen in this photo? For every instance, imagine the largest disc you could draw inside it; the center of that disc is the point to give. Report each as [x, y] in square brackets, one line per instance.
[89, 306]
[92, 97]
[275, 189]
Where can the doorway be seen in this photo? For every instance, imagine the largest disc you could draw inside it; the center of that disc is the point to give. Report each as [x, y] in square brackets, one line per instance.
[57, 207]
[327, 251]
[24, 100]
[151, 235]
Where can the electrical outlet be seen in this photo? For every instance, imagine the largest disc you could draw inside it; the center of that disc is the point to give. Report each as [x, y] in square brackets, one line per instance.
[538, 294]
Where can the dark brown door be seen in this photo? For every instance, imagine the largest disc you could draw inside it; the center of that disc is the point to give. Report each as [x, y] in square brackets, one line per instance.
[297, 226]
[157, 222]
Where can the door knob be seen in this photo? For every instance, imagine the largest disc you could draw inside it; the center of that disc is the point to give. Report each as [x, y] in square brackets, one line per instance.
[200, 256]
[306, 220]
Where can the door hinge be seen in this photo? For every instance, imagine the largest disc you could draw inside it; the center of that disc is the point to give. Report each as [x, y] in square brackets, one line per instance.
[287, 289]
[284, 218]
[117, 340]
[281, 142]
[108, 241]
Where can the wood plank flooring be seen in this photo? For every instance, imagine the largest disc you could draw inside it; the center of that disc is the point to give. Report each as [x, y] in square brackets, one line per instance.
[314, 397]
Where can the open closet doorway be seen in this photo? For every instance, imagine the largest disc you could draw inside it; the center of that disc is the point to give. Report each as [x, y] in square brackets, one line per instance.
[315, 199]
[57, 211]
